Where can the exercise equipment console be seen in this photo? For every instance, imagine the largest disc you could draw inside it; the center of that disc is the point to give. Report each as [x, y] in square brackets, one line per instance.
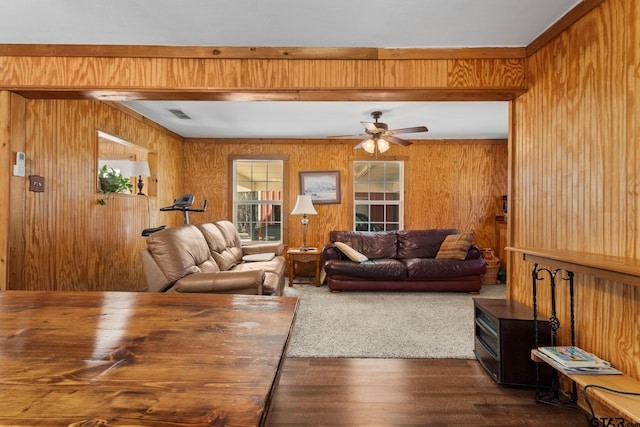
[183, 203]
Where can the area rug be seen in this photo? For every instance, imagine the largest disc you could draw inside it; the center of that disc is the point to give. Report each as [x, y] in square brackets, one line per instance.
[433, 325]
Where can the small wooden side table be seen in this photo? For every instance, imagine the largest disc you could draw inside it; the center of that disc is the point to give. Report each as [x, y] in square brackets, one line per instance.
[296, 256]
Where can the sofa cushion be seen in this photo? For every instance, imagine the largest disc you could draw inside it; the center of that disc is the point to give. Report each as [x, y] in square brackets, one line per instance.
[274, 273]
[421, 243]
[374, 245]
[224, 243]
[212, 234]
[381, 269]
[438, 269]
[220, 282]
[455, 246]
[351, 253]
[181, 250]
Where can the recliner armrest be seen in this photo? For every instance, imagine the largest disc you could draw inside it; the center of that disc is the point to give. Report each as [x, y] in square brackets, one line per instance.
[222, 282]
[155, 278]
[261, 248]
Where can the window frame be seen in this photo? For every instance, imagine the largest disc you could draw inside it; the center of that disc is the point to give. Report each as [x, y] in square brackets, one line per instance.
[232, 208]
[384, 202]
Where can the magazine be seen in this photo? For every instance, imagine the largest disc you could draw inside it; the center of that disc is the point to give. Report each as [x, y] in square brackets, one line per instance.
[605, 369]
[572, 357]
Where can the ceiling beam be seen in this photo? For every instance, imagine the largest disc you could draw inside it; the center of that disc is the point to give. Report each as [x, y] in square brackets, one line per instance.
[257, 52]
[364, 94]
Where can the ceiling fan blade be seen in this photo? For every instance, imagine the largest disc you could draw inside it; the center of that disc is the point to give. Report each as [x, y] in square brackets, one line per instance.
[363, 135]
[396, 140]
[409, 130]
[372, 128]
[360, 144]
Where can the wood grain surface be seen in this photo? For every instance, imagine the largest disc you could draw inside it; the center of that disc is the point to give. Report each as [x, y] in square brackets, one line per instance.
[575, 181]
[104, 77]
[116, 358]
[448, 183]
[405, 392]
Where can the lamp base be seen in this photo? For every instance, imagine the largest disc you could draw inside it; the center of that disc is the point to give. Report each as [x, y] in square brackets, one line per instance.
[140, 185]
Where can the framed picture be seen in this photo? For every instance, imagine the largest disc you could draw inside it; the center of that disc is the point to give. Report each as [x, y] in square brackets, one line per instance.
[322, 186]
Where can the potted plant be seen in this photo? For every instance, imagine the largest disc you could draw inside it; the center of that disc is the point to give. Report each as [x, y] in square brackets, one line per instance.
[112, 181]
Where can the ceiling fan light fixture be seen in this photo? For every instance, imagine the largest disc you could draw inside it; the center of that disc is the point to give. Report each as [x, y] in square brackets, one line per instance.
[369, 146]
[383, 145]
[378, 136]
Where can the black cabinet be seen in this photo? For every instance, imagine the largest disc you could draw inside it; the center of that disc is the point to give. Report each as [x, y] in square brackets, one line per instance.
[504, 337]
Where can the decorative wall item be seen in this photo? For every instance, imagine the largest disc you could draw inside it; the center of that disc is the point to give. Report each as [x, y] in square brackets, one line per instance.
[322, 186]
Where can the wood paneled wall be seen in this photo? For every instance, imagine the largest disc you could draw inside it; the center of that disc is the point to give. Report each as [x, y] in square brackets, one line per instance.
[61, 239]
[450, 183]
[6, 163]
[576, 172]
[60, 132]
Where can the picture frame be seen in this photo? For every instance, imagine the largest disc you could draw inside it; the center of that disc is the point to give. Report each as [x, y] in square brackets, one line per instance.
[322, 186]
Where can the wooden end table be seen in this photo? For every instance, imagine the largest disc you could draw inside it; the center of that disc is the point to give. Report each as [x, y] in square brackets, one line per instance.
[296, 256]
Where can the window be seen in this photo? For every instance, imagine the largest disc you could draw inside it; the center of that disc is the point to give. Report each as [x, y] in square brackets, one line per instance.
[121, 155]
[378, 189]
[257, 199]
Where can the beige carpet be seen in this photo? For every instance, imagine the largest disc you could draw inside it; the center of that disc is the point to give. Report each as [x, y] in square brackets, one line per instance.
[435, 325]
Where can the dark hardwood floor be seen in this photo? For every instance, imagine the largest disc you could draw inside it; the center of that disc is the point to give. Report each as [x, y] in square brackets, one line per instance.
[404, 392]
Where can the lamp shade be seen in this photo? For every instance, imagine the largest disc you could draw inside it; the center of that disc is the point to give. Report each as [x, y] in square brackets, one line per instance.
[369, 146]
[140, 169]
[383, 145]
[304, 206]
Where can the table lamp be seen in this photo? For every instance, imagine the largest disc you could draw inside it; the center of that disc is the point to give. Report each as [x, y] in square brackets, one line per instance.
[304, 207]
[140, 169]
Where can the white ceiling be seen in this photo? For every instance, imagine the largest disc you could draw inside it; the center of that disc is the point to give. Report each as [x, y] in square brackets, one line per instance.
[279, 119]
[295, 23]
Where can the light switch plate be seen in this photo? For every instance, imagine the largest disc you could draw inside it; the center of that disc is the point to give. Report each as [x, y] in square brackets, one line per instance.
[36, 183]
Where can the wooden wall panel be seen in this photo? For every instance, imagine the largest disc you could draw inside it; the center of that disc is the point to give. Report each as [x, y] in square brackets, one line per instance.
[71, 242]
[448, 183]
[17, 190]
[5, 184]
[60, 138]
[483, 72]
[576, 165]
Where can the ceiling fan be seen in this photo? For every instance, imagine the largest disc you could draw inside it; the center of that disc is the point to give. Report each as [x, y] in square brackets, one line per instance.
[378, 136]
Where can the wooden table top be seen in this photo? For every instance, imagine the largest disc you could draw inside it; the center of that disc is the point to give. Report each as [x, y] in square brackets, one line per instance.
[119, 358]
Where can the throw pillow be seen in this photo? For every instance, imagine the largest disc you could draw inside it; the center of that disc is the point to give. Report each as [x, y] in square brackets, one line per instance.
[351, 253]
[455, 246]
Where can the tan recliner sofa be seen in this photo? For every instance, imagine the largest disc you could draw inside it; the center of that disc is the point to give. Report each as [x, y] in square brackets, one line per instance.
[209, 258]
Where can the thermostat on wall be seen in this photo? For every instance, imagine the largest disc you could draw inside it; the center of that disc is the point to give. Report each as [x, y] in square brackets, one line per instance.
[18, 167]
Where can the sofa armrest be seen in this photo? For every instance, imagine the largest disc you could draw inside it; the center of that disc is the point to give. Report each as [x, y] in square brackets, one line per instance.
[222, 282]
[261, 248]
[330, 251]
[473, 253]
[155, 278]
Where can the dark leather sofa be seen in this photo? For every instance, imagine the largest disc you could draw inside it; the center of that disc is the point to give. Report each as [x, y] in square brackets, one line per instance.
[403, 260]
